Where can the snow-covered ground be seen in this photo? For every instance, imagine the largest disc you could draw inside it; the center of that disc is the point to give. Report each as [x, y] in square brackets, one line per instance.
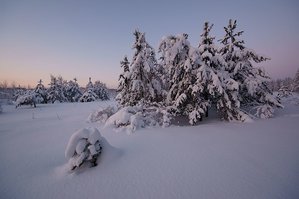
[212, 160]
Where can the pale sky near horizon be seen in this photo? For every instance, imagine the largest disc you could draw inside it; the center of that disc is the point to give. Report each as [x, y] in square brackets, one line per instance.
[84, 39]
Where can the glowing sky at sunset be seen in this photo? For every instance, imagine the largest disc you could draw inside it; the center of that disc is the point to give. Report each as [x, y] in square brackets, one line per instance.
[89, 38]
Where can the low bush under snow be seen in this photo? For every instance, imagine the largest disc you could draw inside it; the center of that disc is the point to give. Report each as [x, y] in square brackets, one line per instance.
[26, 99]
[83, 146]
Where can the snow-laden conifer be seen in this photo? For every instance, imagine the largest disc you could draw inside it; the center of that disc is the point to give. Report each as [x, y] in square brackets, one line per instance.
[253, 88]
[216, 86]
[143, 85]
[41, 92]
[123, 82]
[181, 63]
[100, 89]
[89, 95]
[73, 92]
[56, 91]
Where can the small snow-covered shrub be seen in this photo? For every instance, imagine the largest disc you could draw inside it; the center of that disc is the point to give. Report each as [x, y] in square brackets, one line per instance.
[84, 146]
[101, 115]
[264, 111]
[284, 92]
[26, 99]
[135, 117]
[122, 117]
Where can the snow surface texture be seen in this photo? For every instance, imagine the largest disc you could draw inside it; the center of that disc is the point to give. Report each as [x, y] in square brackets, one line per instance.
[83, 146]
[212, 160]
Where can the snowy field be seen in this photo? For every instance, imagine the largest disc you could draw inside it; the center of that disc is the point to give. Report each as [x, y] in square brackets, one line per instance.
[212, 160]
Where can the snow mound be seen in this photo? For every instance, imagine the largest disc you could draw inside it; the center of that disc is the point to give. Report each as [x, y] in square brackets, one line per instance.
[83, 146]
[132, 118]
[122, 117]
[101, 115]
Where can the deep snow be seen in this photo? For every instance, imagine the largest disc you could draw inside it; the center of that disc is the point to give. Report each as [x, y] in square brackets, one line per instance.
[212, 160]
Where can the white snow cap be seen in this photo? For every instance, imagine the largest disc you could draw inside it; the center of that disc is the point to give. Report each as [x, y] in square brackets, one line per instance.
[90, 134]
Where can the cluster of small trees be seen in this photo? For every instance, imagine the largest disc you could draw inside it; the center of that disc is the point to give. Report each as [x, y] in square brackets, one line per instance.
[60, 90]
[188, 80]
[288, 83]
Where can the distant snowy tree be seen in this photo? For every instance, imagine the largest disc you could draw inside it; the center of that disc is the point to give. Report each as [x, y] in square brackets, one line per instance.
[89, 95]
[296, 82]
[144, 87]
[89, 85]
[284, 91]
[253, 88]
[100, 89]
[56, 92]
[72, 91]
[41, 92]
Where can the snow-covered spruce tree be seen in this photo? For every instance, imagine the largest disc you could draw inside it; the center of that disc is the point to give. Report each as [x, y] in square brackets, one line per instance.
[123, 82]
[284, 91]
[296, 82]
[41, 92]
[139, 91]
[214, 83]
[253, 88]
[55, 92]
[100, 89]
[89, 85]
[72, 91]
[143, 87]
[180, 62]
[89, 94]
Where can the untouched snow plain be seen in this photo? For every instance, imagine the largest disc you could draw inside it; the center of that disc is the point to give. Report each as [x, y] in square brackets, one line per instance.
[212, 160]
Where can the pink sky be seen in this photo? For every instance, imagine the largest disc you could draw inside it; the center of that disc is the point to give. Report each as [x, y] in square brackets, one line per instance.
[88, 39]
